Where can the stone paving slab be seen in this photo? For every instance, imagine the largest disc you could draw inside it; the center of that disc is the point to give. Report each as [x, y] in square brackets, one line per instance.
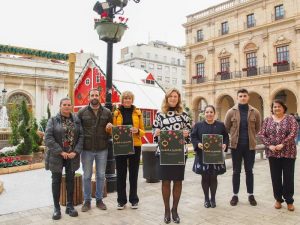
[151, 208]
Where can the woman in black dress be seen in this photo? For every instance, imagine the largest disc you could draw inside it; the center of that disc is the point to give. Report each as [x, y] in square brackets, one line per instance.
[171, 117]
[209, 172]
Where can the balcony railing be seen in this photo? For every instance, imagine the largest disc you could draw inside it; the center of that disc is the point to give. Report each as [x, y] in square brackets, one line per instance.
[199, 80]
[279, 17]
[247, 72]
[249, 25]
[225, 75]
[264, 70]
[251, 71]
[282, 68]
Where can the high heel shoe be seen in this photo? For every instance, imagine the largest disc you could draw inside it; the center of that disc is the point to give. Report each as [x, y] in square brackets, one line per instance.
[167, 218]
[175, 216]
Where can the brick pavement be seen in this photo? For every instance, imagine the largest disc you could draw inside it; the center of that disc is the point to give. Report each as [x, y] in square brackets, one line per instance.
[191, 208]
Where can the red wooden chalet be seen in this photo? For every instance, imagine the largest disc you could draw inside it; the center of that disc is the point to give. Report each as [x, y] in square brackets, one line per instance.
[148, 94]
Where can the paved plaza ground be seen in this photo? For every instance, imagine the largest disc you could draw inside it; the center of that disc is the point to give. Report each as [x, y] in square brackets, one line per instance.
[27, 200]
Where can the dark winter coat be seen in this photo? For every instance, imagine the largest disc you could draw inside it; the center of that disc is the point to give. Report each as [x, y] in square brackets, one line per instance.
[94, 128]
[53, 139]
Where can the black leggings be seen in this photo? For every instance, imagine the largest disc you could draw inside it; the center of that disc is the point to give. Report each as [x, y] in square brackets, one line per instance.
[209, 182]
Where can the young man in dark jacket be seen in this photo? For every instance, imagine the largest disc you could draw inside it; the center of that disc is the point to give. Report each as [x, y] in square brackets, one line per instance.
[243, 122]
[96, 122]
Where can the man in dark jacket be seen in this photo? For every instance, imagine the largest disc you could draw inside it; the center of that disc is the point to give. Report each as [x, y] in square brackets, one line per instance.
[242, 122]
[96, 122]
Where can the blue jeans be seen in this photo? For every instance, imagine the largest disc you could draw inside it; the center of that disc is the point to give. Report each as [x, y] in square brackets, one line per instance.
[87, 160]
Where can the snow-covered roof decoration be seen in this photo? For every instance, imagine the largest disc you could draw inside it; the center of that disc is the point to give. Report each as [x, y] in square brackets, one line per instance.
[125, 78]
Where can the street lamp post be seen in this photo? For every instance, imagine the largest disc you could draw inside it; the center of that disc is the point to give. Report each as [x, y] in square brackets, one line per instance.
[110, 33]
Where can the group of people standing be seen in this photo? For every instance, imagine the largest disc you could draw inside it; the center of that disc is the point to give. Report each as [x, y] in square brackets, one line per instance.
[70, 137]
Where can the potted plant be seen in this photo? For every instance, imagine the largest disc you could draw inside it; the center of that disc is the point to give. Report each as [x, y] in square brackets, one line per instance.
[196, 77]
[109, 30]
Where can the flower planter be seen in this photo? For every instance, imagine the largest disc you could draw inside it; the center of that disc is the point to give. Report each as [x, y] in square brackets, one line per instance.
[26, 157]
[16, 169]
[37, 157]
[110, 31]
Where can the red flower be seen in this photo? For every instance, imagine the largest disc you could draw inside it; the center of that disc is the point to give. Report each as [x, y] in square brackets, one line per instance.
[104, 14]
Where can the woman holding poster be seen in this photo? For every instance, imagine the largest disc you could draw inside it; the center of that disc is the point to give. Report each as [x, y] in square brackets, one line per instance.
[128, 114]
[209, 172]
[171, 117]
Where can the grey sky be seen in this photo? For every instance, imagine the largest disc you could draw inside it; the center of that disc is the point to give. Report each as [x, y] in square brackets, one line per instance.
[67, 25]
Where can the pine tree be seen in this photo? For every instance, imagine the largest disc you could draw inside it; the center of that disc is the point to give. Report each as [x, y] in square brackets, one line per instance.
[34, 136]
[14, 119]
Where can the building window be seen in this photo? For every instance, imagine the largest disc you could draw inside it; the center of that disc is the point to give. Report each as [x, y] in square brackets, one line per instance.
[167, 70]
[147, 118]
[225, 65]
[250, 20]
[143, 65]
[132, 64]
[178, 62]
[282, 54]
[173, 61]
[199, 35]
[183, 81]
[167, 80]
[174, 70]
[150, 82]
[159, 78]
[200, 69]
[87, 81]
[279, 12]
[224, 28]
[174, 81]
[151, 66]
[98, 79]
[251, 59]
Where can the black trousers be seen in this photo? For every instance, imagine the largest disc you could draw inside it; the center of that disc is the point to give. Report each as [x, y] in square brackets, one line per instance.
[56, 181]
[282, 175]
[242, 153]
[133, 163]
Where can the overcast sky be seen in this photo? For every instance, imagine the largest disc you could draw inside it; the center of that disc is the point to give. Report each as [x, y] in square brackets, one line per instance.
[67, 25]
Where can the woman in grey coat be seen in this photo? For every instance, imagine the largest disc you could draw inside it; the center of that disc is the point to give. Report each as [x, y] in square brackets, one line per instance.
[64, 140]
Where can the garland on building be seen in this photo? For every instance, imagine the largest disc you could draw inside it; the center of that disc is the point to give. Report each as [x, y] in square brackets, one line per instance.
[7, 49]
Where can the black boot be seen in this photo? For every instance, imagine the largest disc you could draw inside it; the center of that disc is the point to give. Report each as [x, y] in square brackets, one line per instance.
[70, 210]
[56, 214]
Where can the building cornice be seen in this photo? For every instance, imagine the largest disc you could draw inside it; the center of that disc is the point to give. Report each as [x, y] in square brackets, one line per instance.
[239, 33]
[216, 11]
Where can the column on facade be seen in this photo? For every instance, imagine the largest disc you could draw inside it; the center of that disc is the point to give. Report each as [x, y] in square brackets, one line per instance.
[210, 63]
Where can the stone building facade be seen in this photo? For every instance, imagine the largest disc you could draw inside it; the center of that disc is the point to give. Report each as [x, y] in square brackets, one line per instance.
[252, 44]
[37, 81]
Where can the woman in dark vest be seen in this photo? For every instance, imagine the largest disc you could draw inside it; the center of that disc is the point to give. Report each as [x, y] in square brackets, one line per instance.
[171, 117]
[209, 172]
[64, 140]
